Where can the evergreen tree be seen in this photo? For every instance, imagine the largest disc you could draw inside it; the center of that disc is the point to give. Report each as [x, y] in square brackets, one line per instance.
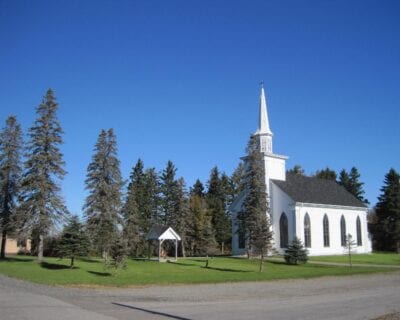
[41, 203]
[297, 169]
[73, 241]
[197, 189]
[183, 217]
[118, 254]
[201, 233]
[254, 217]
[169, 189]
[344, 179]
[327, 174]
[10, 175]
[386, 230]
[355, 186]
[216, 202]
[103, 204]
[151, 214]
[296, 253]
[237, 181]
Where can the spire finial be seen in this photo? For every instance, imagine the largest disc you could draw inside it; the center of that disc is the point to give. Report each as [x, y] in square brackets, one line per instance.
[262, 84]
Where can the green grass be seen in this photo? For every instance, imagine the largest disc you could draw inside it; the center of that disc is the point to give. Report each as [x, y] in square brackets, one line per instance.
[142, 272]
[372, 258]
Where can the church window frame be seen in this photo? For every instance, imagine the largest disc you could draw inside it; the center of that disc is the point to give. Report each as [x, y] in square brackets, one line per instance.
[284, 230]
[358, 229]
[307, 231]
[325, 227]
[343, 236]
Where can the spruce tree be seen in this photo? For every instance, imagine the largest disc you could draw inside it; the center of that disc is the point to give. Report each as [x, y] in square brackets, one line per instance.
[169, 189]
[355, 186]
[327, 174]
[202, 234]
[10, 176]
[295, 252]
[103, 182]
[344, 179]
[41, 203]
[386, 230]
[74, 241]
[297, 169]
[237, 181]
[183, 217]
[216, 202]
[254, 219]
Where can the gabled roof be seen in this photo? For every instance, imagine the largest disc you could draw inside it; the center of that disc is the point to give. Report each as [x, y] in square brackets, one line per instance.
[317, 191]
[159, 232]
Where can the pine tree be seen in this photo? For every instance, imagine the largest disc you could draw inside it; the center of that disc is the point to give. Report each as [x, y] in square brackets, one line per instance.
[103, 204]
[41, 204]
[386, 230]
[296, 253]
[197, 189]
[169, 189]
[237, 181]
[327, 174]
[73, 241]
[118, 254]
[151, 213]
[254, 217]
[297, 169]
[10, 176]
[201, 231]
[344, 179]
[355, 186]
[183, 217]
[216, 202]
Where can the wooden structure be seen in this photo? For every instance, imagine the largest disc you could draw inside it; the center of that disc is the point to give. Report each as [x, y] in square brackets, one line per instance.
[161, 234]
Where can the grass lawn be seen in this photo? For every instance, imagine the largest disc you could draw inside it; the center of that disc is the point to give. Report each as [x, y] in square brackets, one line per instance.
[90, 272]
[372, 258]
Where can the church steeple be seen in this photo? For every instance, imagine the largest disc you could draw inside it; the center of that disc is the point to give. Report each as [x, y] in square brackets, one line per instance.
[263, 124]
[264, 133]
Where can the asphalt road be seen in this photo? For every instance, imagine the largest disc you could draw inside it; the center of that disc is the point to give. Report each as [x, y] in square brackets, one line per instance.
[355, 297]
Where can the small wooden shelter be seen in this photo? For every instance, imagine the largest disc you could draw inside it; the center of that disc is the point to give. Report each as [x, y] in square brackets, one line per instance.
[161, 234]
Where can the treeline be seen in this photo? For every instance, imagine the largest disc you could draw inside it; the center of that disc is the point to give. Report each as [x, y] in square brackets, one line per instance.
[114, 212]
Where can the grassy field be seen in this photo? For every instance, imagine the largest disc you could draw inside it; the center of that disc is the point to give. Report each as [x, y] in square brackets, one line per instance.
[372, 258]
[90, 272]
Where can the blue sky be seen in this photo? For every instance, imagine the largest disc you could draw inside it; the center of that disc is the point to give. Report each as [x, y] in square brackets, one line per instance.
[180, 80]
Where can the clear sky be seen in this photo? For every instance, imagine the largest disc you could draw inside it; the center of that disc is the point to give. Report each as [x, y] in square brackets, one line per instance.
[180, 80]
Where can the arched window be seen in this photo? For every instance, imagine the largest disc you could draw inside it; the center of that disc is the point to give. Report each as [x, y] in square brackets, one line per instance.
[343, 231]
[359, 238]
[326, 231]
[307, 231]
[283, 230]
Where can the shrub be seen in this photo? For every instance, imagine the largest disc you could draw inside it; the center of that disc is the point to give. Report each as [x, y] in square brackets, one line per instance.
[296, 253]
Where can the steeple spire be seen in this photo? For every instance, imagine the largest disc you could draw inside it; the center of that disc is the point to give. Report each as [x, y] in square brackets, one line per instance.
[263, 125]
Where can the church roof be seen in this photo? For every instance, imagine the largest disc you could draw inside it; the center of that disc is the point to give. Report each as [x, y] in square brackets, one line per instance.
[319, 191]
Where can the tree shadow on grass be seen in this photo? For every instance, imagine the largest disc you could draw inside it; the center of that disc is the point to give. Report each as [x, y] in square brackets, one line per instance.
[100, 274]
[54, 266]
[186, 264]
[88, 260]
[22, 259]
[225, 269]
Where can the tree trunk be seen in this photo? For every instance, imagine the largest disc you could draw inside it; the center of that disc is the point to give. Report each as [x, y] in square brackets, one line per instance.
[40, 249]
[222, 248]
[261, 262]
[72, 262]
[3, 244]
[183, 248]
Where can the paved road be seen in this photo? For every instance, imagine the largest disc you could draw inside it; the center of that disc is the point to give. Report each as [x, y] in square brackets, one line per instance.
[355, 297]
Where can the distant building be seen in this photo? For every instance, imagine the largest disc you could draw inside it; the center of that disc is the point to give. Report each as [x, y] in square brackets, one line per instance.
[319, 212]
[15, 246]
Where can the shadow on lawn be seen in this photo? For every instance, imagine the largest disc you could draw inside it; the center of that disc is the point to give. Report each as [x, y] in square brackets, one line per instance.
[100, 274]
[225, 269]
[54, 266]
[22, 259]
[89, 260]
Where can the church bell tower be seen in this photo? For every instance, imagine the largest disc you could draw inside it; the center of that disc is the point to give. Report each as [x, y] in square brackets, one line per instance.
[275, 165]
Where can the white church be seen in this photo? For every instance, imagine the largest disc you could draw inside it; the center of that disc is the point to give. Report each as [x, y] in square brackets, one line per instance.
[319, 212]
